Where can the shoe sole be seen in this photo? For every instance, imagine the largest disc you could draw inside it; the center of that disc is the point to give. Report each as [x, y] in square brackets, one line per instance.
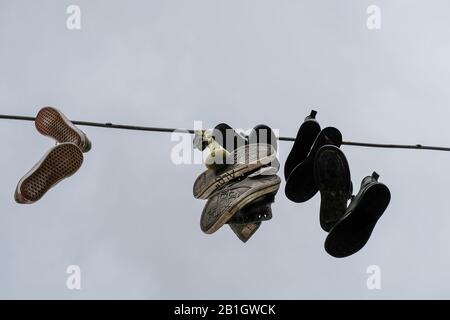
[61, 162]
[52, 123]
[245, 231]
[210, 180]
[307, 134]
[351, 234]
[332, 176]
[301, 185]
[231, 208]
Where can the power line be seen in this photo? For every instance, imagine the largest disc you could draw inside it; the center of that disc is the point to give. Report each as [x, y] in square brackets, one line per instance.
[169, 130]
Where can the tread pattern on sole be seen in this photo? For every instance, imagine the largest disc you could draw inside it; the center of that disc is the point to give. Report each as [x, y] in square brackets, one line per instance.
[50, 123]
[226, 202]
[61, 162]
[332, 176]
[244, 160]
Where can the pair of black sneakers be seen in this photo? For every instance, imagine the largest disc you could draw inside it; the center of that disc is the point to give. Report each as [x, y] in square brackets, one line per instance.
[240, 183]
[316, 163]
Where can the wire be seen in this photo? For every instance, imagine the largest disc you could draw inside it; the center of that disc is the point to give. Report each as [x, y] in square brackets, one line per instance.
[156, 129]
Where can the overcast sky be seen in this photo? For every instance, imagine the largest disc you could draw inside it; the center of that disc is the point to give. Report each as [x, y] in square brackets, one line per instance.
[128, 217]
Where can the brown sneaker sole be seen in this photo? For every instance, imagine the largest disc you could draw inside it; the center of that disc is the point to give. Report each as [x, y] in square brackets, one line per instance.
[226, 202]
[245, 231]
[52, 123]
[59, 163]
[210, 181]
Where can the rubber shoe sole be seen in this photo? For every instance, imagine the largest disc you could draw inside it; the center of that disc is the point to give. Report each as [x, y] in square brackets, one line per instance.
[351, 233]
[52, 123]
[332, 176]
[59, 163]
[226, 202]
[246, 159]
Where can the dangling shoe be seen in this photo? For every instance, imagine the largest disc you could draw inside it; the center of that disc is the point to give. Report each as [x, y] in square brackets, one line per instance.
[53, 123]
[242, 161]
[59, 163]
[233, 197]
[301, 186]
[332, 176]
[353, 231]
[307, 134]
[246, 222]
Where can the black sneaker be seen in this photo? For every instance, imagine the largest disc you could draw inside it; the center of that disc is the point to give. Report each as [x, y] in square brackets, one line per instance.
[306, 135]
[353, 231]
[301, 186]
[233, 197]
[332, 176]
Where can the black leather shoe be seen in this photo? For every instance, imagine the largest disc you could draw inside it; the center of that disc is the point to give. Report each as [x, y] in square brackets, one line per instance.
[301, 186]
[353, 231]
[332, 176]
[306, 135]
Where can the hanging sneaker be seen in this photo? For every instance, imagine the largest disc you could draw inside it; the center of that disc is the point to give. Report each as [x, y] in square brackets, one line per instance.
[353, 231]
[245, 231]
[59, 163]
[229, 200]
[332, 176]
[306, 135]
[244, 160]
[301, 186]
[53, 123]
[247, 221]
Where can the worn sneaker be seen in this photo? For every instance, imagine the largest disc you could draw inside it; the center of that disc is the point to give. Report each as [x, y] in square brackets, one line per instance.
[233, 197]
[353, 231]
[301, 186]
[306, 135]
[332, 176]
[53, 123]
[59, 163]
[243, 160]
